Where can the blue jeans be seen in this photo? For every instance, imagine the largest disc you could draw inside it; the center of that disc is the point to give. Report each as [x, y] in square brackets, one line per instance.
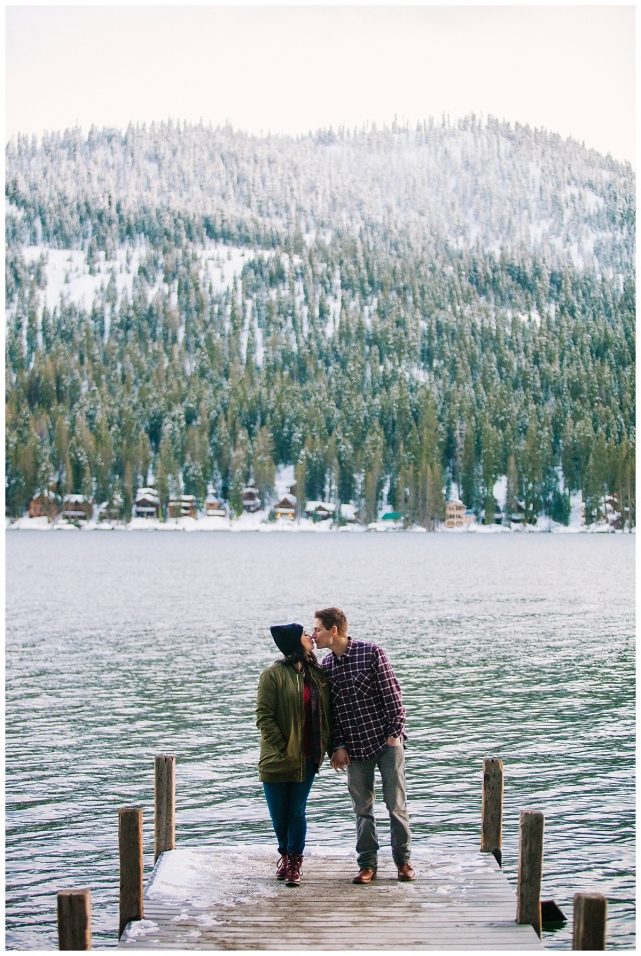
[360, 781]
[286, 803]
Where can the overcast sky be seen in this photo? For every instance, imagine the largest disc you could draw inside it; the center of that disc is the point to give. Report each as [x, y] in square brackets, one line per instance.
[290, 69]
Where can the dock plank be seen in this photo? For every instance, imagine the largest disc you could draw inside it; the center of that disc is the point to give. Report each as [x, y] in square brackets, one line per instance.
[221, 898]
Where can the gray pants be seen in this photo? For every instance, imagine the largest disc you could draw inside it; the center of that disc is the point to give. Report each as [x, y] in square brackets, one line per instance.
[360, 781]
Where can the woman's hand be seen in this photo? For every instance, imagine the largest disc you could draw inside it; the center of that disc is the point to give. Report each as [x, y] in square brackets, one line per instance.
[339, 759]
[394, 741]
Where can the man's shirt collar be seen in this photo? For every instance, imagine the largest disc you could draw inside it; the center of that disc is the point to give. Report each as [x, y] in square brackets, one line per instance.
[347, 652]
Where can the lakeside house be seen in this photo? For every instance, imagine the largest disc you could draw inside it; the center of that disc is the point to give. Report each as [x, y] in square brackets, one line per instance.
[286, 507]
[393, 519]
[183, 506]
[45, 504]
[147, 503]
[214, 507]
[251, 499]
[77, 508]
[457, 515]
[319, 510]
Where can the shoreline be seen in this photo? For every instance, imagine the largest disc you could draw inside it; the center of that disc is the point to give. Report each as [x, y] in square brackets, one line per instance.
[217, 525]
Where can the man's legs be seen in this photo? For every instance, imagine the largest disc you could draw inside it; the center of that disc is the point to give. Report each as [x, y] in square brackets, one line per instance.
[360, 782]
[391, 764]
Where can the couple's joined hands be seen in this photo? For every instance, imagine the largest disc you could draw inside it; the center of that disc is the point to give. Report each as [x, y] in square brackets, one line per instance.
[340, 758]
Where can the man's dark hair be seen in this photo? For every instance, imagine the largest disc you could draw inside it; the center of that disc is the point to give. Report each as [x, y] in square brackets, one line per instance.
[333, 617]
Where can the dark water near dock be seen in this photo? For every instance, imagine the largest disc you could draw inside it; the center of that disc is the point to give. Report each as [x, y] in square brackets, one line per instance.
[121, 646]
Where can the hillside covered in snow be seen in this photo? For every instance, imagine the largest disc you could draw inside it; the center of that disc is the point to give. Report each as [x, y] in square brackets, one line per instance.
[389, 311]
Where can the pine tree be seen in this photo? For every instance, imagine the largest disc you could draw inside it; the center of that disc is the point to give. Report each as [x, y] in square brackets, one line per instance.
[166, 473]
[513, 493]
[264, 469]
[435, 499]
[468, 468]
[532, 472]
[127, 492]
[373, 460]
[489, 465]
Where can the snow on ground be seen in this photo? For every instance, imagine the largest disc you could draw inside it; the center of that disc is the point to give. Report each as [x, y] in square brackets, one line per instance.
[67, 273]
[284, 479]
[223, 264]
[258, 522]
[30, 524]
[210, 876]
[141, 928]
[216, 879]
[500, 491]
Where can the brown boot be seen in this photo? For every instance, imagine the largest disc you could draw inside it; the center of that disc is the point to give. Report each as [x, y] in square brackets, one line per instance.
[281, 869]
[365, 876]
[406, 873]
[294, 869]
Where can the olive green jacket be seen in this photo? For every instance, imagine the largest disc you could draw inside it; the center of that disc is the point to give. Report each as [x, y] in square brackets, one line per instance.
[280, 716]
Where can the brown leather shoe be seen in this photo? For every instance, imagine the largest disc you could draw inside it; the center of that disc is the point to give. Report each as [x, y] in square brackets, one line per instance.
[406, 873]
[365, 876]
[281, 869]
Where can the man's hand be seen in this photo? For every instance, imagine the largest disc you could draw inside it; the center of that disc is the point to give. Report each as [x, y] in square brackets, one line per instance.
[340, 759]
[394, 741]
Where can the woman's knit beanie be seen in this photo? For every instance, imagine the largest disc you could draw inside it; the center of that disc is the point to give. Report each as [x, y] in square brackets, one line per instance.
[287, 637]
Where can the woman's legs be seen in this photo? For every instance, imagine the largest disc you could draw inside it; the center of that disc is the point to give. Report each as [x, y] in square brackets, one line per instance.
[296, 821]
[286, 803]
[277, 797]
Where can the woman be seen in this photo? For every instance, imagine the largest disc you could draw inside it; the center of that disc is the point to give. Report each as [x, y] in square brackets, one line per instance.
[292, 713]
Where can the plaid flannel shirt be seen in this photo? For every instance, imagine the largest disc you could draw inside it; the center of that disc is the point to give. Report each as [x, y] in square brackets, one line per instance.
[365, 700]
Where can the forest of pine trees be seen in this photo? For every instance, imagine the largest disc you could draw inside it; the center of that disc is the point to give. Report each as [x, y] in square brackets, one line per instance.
[381, 360]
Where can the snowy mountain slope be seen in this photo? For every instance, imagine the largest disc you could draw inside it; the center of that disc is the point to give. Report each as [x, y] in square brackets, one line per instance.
[486, 184]
[390, 313]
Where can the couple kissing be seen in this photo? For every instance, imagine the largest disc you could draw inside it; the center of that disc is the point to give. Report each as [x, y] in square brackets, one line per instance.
[348, 706]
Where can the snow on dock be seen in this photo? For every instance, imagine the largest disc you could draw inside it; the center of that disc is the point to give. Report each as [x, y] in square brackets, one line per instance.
[228, 898]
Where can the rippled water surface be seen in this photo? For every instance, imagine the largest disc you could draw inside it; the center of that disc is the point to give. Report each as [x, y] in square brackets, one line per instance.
[122, 646]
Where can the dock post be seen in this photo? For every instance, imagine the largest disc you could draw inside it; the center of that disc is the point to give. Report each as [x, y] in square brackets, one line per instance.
[74, 919]
[528, 894]
[492, 808]
[590, 916]
[131, 865]
[165, 815]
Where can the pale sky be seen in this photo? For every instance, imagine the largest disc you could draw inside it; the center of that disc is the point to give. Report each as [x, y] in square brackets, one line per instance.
[290, 69]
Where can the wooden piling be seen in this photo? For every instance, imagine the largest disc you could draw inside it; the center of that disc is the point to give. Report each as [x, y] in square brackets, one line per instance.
[528, 894]
[131, 865]
[492, 808]
[590, 917]
[74, 919]
[165, 803]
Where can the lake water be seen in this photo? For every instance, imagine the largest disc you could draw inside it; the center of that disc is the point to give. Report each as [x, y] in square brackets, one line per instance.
[123, 646]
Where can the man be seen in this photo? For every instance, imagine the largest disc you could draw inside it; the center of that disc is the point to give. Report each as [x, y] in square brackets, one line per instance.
[368, 721]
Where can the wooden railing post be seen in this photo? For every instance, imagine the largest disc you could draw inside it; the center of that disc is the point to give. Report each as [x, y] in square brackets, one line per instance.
[590, 917]
[528, 894]
[74, 919]
[165, 815]
[492, 808]
[131, 865]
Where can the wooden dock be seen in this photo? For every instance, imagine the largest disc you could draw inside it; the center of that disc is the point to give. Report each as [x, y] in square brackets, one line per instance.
[228, 898]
